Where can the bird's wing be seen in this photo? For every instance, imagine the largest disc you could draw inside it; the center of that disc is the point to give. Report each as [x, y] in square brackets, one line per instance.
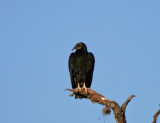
[90, 68]
[71, 70]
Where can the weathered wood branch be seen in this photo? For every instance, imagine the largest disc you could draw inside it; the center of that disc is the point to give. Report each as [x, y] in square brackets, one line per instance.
[156, 115]
[124, 105]
[118, 111]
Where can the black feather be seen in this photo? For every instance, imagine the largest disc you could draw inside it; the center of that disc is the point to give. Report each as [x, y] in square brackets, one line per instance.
[81, 66]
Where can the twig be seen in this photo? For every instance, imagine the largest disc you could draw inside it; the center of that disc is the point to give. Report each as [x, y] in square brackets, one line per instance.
[156, 115]
[126, 102]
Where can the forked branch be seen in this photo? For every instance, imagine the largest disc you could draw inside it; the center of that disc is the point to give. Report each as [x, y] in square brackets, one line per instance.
[118, 111]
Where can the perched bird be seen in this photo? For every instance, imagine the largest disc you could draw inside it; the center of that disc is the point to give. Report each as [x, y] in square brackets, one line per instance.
[81, 66]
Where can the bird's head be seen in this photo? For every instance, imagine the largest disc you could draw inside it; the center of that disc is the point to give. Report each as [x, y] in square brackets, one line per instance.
[80, 46]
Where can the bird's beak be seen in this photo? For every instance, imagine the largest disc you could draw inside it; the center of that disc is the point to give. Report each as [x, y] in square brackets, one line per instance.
[73, 48]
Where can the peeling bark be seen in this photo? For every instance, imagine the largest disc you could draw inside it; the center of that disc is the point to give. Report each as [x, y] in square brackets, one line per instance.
[118, 111]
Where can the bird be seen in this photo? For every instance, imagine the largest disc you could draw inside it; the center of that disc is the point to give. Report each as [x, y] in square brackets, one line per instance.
[81, 67]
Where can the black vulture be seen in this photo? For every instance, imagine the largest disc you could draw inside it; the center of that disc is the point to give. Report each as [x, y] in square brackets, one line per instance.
[81, 66]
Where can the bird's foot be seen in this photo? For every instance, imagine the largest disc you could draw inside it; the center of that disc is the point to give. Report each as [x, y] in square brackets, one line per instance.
[78, 88]
[86, 89]
[72, 94]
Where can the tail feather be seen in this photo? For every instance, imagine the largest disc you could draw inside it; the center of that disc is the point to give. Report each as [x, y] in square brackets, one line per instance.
[79, 96]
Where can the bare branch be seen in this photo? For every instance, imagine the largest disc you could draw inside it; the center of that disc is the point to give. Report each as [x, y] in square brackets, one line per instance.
[156, 115]
[119, 112]
[123, 107]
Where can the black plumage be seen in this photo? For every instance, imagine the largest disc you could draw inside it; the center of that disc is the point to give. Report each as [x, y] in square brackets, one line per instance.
[81, 66]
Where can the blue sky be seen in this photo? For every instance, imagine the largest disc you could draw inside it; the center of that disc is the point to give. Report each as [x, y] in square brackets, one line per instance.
[36, 41]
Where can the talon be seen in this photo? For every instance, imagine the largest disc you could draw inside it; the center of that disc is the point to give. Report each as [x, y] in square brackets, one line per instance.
[72, 94]
[78, 87]
[86, 89]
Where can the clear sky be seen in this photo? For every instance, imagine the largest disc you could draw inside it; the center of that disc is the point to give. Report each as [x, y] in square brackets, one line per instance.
[36, 38]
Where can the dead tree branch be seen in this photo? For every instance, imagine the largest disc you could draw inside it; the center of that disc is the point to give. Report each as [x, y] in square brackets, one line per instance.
[118, 111]
[124, 105]
[156, 115]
